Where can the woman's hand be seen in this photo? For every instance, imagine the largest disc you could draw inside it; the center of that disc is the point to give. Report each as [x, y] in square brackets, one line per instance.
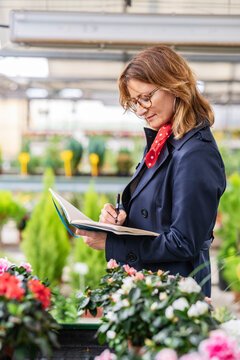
[108, 215]
[94, 239]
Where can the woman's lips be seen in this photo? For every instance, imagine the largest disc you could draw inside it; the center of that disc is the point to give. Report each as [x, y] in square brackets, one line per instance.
[149, 118]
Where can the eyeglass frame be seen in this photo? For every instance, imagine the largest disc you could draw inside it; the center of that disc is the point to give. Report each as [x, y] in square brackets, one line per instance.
[150, 95]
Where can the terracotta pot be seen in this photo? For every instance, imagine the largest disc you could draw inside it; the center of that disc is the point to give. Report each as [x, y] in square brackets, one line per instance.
[87, 314]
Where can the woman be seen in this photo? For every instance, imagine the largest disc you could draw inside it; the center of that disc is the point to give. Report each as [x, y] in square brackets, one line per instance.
[176, 188]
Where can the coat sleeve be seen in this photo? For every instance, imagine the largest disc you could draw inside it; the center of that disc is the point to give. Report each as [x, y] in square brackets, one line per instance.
[197, 184]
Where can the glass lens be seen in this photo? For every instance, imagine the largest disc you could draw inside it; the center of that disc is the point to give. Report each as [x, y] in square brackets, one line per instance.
[144, 101]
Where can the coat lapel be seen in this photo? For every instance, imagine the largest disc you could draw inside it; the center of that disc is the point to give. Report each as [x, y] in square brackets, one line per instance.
[149, 173]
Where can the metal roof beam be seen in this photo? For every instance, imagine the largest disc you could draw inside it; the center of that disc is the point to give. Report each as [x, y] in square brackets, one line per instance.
[121, 57]
[128, 30]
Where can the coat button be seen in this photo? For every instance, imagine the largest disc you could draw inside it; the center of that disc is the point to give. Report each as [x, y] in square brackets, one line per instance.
[131, 257]
[144, 213]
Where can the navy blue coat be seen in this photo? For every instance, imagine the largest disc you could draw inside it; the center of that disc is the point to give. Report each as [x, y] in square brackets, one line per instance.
[178, 198]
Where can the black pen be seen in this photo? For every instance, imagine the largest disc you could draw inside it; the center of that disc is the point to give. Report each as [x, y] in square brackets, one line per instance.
[117, 207]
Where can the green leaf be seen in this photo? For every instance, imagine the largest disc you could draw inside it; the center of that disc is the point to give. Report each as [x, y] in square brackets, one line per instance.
[102, 338]
[84, 302]
[134, 294]
[93, 312]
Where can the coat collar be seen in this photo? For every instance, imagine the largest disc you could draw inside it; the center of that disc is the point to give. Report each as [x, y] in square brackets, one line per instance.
[176, 143]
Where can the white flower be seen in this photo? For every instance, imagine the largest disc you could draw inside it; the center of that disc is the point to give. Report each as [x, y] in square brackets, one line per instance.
[163, 296]
[189, 285]
[180, 304]
[116, 296]
[111, 316]
[111, 334]
[169, 312]
[148, 281]
[154, 306]
[155, 291]
[232, 328]
[127, 285]
[197, 309]
[125, 303]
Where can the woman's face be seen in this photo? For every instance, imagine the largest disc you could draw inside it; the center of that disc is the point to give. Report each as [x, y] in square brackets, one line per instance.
[162, 107]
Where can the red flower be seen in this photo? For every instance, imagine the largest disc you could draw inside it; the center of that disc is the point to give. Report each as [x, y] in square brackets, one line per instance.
[42, 293]
[10, 287]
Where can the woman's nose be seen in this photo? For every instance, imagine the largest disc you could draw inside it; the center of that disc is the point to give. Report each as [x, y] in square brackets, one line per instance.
[141, 110]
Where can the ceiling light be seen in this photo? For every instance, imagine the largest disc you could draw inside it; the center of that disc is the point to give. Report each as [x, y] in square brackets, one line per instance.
[68, 93]
[24, 67]
[36, 93]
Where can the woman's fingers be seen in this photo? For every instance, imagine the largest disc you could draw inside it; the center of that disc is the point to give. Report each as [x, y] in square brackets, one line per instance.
[94, 239]
[108, 214]
[121, 217]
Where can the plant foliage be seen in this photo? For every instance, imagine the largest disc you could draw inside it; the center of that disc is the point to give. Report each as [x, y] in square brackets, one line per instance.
[45, 241]
[95, 260]
[26, 325]
[151, 310]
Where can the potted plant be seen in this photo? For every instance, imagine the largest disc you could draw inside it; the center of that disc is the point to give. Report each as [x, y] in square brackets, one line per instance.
[52, 157]
[149, 310]
[77, 150]
[27, 328]
[9, 209]
[124, 162]
[97, 146]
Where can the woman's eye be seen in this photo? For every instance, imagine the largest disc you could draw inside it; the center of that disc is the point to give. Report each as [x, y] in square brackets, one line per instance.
[144, 99]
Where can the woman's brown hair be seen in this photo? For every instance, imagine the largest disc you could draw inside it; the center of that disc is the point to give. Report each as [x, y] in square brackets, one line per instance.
[163, 67]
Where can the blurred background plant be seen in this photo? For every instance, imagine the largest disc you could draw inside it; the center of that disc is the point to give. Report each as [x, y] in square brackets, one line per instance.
[124, 162]
[95, 260]
[97, 146]
[77, 150]
[45, 241]
[9, 209]
[231, 159]
[229, 232]
[65, 308]
[0, 160]
[52, 157]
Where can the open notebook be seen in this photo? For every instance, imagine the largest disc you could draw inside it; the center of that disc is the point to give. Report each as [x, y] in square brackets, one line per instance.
[76, 218]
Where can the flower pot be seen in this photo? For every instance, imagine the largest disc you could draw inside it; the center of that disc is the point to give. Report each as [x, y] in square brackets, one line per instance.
[87, 313]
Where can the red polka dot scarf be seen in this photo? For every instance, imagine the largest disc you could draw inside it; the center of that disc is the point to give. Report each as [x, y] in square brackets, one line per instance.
[163, 134]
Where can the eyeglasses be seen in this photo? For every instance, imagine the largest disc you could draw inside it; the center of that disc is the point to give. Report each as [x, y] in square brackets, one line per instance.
[143, 100]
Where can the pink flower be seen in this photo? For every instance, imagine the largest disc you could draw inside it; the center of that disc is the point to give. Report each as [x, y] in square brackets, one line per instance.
[105, 355]
[138, 276]
[166, 354]
[4, 265]
[219, 346]
[192, 356]
[129, 270]
[26, 266]
[112, 264]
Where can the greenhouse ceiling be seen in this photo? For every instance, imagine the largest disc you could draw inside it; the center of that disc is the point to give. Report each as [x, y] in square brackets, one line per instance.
[92, 66]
